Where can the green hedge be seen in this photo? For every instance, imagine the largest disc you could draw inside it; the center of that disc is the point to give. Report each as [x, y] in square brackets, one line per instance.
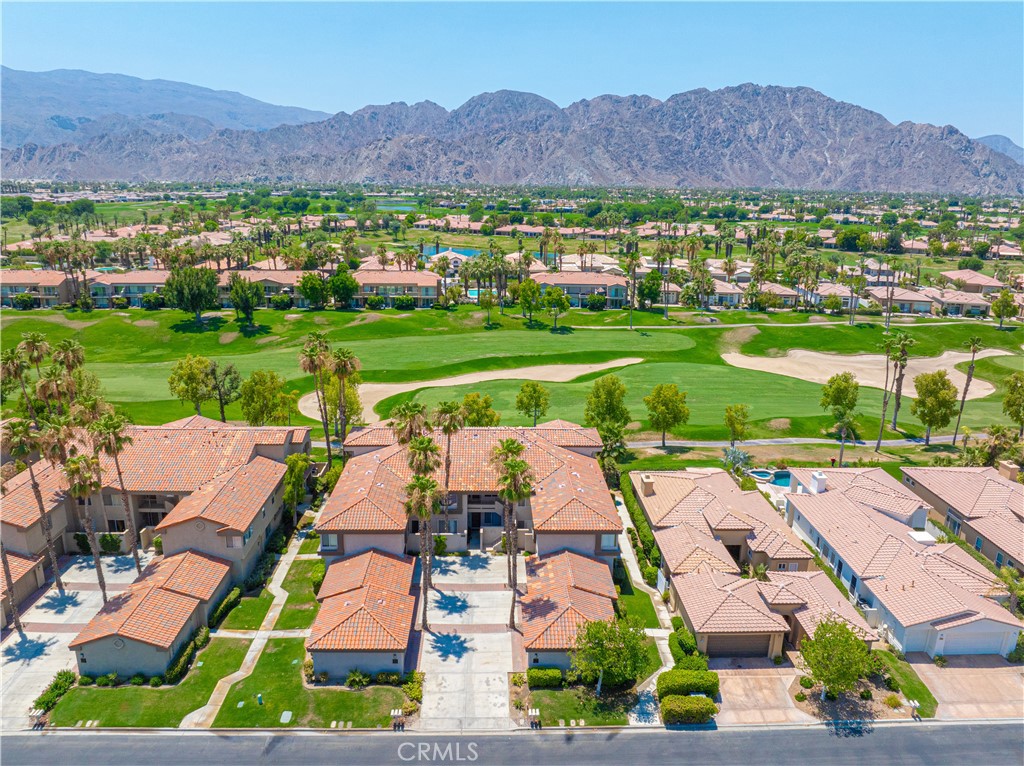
[677, 710]
[643, 529]
[225, 606]
[824, 567]
[692, 662]
[688, 682]
[183, 659]
[544, 678]
[677, 622]
[413, 686]
[316, 577]
[58, 687]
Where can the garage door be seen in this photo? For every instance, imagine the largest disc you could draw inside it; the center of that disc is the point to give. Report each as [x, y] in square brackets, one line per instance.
[739, 645]
[973, 643]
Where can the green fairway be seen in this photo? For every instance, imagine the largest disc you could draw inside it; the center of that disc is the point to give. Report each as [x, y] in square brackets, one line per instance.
[143, 706]
[278, 677]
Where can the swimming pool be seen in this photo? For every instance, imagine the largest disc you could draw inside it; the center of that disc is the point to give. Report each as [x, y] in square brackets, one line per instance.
[780, 478]
[764, 476]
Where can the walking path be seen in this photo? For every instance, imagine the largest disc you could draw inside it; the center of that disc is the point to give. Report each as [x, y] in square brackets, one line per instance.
[628, 556]
[203, 717]
[645, 711]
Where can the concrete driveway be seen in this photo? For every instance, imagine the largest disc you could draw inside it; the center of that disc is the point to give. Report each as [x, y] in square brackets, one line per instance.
[466, 682]
[980, 686]
[475, 570]
[28, 662]
[756, 691]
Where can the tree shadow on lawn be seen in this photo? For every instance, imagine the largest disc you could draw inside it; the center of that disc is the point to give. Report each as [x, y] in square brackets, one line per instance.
[563, 330]
[252, 330]
[189, 326]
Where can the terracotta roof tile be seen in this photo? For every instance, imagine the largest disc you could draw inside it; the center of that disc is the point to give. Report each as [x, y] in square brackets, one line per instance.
[565, 591]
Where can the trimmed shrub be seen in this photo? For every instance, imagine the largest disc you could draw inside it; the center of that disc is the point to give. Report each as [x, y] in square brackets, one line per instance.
[85, 681]
[410, 708]
[544, 678]
[103, 681]
[156, 681]
[404, 302]
[676, 710]
[940, 661]
[807, 682]
[58, 687]
[202, 637]
[356, 679]
[316, 577]
[747, 484]
[677, 622]
[151, 301]
[892, 684]
[1017, 655]
[692, 662]
[686, 640]
[388, 679]
[800, 696]
[596, 302]
[651, 576]
[281, 302]
[307, 671]
[82, 541]
[110, 543]
[413, 686]
[137, 680]
[181, 663]
[226, 604]
[119, 302]
[688, 682]
[518, 679]
[643, 529]
[158, 545]
[865, 694]
[260, 573]
[778, 659]
[375, 302]
[23, 301]
[322, 676]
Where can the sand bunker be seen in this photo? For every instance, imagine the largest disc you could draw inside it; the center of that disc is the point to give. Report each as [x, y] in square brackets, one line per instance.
[869, 368]
[267, 339]
[372, 394]
[227, 337]
[74, 324]
[146, 323]
[292, 317]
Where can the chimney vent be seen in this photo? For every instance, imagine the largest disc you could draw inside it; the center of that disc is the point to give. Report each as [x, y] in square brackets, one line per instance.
[646, 484]
[819, 482]
[1008, 470]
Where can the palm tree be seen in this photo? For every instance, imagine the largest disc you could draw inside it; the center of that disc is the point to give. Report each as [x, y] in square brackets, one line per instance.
[449, 419]
[887, 352]
[424, 456]
[110, 437]
[22, 442]
[9, 584]
[69, 354]
[902, 348]
[505, 450]
[51, 388]
[515, 484]
[1014, 587]
[409, 420]
[344, 364]
[13, 366]
[83, 474]
[632, 263]
[423, 498]
[974, 345]
[663, 257]
[35, 348]
[315, 359]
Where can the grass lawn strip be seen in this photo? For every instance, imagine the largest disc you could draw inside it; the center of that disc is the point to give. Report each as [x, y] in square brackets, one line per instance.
[301, 606]
[278, 677]
[638, 604]
[911, 685]
[141, 706]
[249, 613]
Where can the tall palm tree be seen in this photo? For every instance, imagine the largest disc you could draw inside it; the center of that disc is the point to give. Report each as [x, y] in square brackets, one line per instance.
[663, 257]
[890, 359]
[515, 483]
[35, 348]
[902, 349]
[22, 442]
[83, 474]
[344, 364]
[505, 450]
[409, 420]
[315, 359]
[13, 366]
[424, 455]
[51, 387]
[632, 262]
[449, 419]
[974, 345]
[69, 354]
[9, 584]
[111, 438]
[423, 495]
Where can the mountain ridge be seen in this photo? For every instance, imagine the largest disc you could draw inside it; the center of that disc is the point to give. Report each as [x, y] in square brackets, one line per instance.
[1004, 145]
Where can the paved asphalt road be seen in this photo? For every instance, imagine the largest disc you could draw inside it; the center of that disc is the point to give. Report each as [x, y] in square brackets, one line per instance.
[926, 744]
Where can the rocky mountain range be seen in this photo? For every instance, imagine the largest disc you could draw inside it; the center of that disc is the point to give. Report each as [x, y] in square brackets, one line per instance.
[1004, 145]
[743, 136]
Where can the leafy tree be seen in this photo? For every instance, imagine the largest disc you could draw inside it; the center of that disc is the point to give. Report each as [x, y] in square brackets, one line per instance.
[1004, 307]
[836, 656]
[259, 396]
[245, 296]
[193, 290]
[479, 411]
[1013, 401]
[295, 479]
[612, 652]
[606, 402]
[556, 303]
[936, 401]
[190, 381]
[533, 400]
[486, 301]
[343, 288]
[529, 297]
[648, 291]
[666, 408]
[737, 419]
[313, 287]
[832, 304]
[225, 382]
[840, 395]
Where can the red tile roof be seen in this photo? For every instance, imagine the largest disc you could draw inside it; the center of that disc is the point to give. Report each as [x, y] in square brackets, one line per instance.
[718, 602]
[20, 566]
[372, 569]
[191, 573]
[565, 591]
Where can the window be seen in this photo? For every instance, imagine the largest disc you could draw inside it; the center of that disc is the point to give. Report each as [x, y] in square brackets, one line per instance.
[328, 542]
[247, 535]
[394, 659]
[234, 541]
[108, 500]
[999, 559]
[793, 566]
[115, 525]
[782, 567]
[414, 526]
[491, 520]
[609, 542]
[977, 543]
[853, 584]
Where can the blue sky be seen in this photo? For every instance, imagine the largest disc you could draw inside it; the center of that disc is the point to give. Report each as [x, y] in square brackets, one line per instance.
[944, 63]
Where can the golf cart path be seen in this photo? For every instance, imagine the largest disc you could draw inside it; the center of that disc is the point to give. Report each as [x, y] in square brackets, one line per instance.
[372, 394]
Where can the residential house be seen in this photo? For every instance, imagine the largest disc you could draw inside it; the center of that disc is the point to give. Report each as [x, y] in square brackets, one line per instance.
[423, 286]
[274, 282]
[564, 591]
[871, 488]
[725, 294]
[580, 285]
[975, 281]
[47, 286]
[27, 576]
[949, 302]
[366, 615]
[142, 629]
[130, 285]
[984, 506]
[920, 595]
[787, 295]
[570, 506]
[823, 290]
[903, 301]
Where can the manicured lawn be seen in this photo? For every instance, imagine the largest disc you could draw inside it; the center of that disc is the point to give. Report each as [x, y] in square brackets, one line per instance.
[278, 677]
[143, 706]
[911, 685]
[579, 702]
[249, 613]
[638, 604]
[310, 545]
[301, 607]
